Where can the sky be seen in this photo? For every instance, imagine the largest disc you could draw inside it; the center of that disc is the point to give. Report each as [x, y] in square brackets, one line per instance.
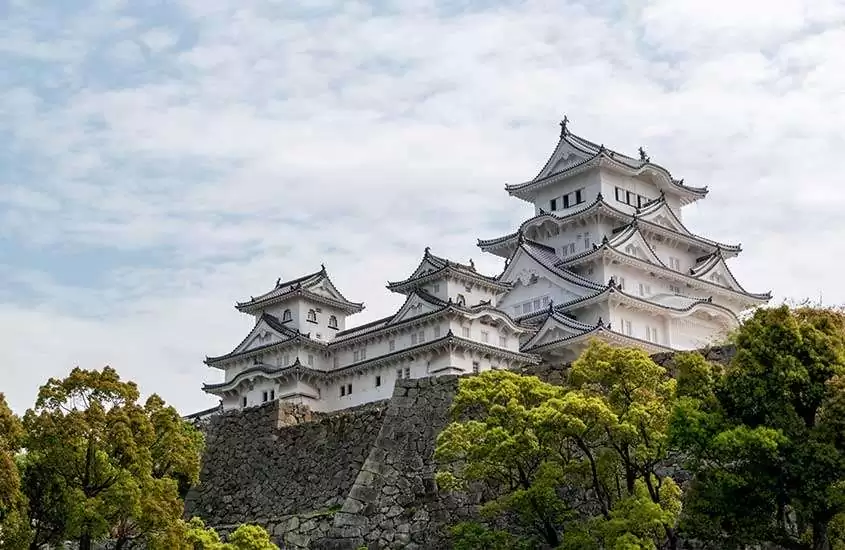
[162, 159]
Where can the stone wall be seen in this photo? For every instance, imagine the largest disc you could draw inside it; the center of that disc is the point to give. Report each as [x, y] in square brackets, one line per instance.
[358, 477]
[282, 467]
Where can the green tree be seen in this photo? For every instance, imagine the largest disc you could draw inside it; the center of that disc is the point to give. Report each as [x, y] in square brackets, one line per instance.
[577, 466]
[194, 535]
[766, 439]
[14, 531]
[101, 465]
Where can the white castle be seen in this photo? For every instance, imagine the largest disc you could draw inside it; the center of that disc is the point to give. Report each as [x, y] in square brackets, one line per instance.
[605, 256]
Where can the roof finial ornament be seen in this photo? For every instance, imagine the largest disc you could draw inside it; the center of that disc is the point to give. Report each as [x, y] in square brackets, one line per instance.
[471, 264]
[604, 240]
[428, 250]
[643, 156]
[551, 306]
[599, 197]
[611, 282]
[601, 322]
[322, 267]
[278, 282]
[563, 128]
[602, 148]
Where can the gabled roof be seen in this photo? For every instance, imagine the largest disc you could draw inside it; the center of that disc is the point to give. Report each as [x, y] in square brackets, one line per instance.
[549, 261]
[715, 264]
[315, 286]
[612, 247]
[287, 336]
[557, 321]
[433, 267]
[647, 216]
[270, 372]
[574, 154]
[436, 307]
[602, 332]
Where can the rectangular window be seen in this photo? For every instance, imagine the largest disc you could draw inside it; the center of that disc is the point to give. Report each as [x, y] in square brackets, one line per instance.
[485, 336]
[335, 361]
[244, 401]
[342, 391]
[572, 248]
[264, 397]
[378, 381]
[436, 331]
[436, 287]
[399, 374]
[674, 289]
[626, 325]
[553, 204]
[285, 360]
[407, 372]
[421, 336]
[526, 308]
[642, 290]
[356, 355]
[363, 353]
[272, 395]
[476, 367]
[537, 304]
[391, 345]
[465, 332]
[503, 341]
[310, 360]
[566, 201]
[648, 290]
[579, 196]
[620, 194]
[414, 339]
[622, 283]
[546, 301]
[349, 389]
[630, 198]
[586, 241]
[517, 310]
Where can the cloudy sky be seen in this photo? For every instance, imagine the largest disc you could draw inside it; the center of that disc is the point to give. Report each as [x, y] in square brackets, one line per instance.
[161, 159]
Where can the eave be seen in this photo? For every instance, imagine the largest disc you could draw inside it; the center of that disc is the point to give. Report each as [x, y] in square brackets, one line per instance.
[257, 305]
[303, 340]
[410, 284]
[296, 370]
[606, 251]
[599, 207]
[449, 339]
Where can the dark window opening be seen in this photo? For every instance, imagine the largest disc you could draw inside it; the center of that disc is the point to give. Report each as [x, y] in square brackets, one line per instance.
[378, 381]
[349, 389]
[244, 401]
[620, 194]
[332, 322]
[342, 391]
[566, 201]
[554, 204]
[578, 197]
[264, 397]
[272, 395]
[286, 316]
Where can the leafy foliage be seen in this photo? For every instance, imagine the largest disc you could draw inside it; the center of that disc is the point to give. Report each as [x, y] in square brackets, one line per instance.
[577, 466]
[100, 464]
[766, 440]
[14, 531]
[194, 535]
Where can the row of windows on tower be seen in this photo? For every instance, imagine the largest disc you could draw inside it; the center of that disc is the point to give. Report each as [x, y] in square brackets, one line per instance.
[570, 248]
[630, 198]
[311, 318]
[651, 333]
[568, 200]
[265, 397]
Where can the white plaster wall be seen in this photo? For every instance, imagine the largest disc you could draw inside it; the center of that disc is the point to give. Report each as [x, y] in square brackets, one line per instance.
[689, 333]
[521, 294]
[664, 252]
[589, 181]
[476, 327]
[639, 321]
[610, 181]
[472, 293]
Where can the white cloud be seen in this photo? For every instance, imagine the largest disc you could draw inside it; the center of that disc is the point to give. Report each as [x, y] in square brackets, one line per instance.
[251, 144]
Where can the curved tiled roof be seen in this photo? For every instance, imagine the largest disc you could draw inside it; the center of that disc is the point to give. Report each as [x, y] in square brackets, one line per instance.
[441, 267]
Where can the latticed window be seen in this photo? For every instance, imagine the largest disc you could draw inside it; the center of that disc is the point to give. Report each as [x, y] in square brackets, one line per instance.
[312, 315]
[286, 316]
[332, 322]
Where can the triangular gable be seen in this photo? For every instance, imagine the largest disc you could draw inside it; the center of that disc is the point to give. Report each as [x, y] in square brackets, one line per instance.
[660, 214]
[323, 286]
[525, 269]
[632, 243]
[414, 306]
[564, 156]
[556, 327]
[716, 271]
[261, 335]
